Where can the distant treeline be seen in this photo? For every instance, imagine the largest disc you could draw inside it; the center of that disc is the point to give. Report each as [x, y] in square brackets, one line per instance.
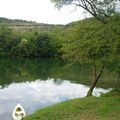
[55, 40]
[28, 44]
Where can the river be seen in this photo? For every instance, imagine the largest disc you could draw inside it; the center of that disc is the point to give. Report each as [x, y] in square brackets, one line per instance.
[37, 83]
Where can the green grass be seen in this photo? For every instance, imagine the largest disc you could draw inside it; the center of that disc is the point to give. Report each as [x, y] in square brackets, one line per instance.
[106, 107]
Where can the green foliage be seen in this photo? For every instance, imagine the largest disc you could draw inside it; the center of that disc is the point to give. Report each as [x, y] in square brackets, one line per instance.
[83, 41]
[32, 43]
[6, 37]
[90, 40]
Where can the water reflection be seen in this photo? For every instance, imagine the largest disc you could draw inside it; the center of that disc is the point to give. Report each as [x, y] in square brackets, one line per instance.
[22, 70]
[38, 94]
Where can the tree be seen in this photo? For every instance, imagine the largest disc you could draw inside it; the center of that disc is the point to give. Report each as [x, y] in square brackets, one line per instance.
[91, 42]
[6, 37]
[94, 47]
[23, 47]
[46, 46]
[100, 9]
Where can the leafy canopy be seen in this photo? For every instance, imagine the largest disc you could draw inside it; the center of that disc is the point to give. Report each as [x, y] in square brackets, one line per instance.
[97, 8]
[90, 40]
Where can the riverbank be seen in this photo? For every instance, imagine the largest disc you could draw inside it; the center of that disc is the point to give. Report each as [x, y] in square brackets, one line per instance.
[106, 107]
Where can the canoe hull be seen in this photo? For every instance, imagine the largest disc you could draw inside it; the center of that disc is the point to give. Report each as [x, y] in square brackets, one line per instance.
[18, 112]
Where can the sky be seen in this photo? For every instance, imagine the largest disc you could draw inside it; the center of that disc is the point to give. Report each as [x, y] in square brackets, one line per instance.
[41, 11]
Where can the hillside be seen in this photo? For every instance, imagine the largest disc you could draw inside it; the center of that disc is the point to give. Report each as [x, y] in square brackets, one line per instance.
[21, 38]
[89, 108]
[15, 22]
[23, 25]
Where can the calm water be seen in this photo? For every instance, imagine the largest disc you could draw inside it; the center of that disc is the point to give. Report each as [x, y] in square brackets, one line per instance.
[37, 83]
[38, 94]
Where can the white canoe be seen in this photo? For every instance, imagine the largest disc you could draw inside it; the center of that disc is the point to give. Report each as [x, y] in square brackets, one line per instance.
[18, 112]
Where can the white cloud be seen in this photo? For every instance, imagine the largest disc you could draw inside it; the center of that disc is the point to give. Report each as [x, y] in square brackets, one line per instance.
[37, 94]
[42, 11]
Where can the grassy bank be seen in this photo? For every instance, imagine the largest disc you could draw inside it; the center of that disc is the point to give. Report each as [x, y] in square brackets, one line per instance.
[106, 107]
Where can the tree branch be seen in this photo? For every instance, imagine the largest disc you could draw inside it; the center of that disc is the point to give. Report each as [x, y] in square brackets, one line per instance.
[103, 66]
[92, 10]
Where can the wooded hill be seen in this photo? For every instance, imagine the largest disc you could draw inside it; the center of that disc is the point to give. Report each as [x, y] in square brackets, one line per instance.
[23, 25]
[81, 41]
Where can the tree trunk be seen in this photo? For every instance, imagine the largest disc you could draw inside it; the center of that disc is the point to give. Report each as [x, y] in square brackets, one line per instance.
[92, 87]
[96, 78]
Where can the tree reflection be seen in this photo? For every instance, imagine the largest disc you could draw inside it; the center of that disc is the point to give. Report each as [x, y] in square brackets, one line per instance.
[22, 70]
